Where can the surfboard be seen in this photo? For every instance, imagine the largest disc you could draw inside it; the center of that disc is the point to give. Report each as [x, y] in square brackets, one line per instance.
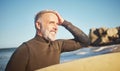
[105, 62]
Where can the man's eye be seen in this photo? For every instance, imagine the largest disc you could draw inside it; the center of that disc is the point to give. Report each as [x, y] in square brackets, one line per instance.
[51, 23]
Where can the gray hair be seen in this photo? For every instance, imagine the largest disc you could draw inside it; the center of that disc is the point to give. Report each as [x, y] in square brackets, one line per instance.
[39, 14]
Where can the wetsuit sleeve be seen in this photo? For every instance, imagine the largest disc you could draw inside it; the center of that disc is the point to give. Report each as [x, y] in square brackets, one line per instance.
[80, 38]
[18, 60]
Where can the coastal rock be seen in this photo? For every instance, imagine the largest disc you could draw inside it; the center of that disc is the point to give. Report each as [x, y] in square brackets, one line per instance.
[104, 36]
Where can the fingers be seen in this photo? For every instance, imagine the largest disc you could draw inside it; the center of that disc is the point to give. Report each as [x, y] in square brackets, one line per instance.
[60, 19]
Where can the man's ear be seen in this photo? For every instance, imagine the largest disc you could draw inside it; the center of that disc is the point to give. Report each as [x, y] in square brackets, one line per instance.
[38, 25]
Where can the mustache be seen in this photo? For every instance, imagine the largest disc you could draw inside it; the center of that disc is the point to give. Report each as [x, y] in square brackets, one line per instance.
[53, 31]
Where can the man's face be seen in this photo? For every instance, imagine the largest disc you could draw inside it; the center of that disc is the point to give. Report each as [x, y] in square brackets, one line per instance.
[49, 26]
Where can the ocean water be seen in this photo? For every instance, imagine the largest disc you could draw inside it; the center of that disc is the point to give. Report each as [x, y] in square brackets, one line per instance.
[6, 53]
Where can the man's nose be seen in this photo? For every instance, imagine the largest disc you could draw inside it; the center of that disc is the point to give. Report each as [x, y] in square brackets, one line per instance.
[55, 27]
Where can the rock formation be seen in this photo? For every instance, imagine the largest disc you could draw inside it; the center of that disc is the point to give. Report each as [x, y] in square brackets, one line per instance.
[104, 36]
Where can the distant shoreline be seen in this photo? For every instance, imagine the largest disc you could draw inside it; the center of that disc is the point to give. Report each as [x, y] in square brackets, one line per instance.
[8, 48]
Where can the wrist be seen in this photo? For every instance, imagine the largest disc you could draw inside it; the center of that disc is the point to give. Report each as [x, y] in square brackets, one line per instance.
[65, 23]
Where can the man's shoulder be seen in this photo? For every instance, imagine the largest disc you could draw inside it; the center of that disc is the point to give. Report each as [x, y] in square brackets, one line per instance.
[24, 44]
[59, 42]
[30, 42]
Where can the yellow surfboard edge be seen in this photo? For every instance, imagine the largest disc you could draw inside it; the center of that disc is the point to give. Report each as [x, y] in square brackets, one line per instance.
[105, 62]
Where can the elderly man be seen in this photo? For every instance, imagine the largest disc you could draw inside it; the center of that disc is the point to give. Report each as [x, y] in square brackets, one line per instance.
[43, 50]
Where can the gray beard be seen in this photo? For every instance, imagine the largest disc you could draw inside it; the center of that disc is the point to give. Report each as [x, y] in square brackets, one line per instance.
[48, 35]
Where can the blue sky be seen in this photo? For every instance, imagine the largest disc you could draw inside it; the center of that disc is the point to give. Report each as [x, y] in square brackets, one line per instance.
[17, 17]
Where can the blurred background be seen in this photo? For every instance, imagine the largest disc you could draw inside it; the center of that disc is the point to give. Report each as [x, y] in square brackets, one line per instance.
[17, 17]
[17, 23]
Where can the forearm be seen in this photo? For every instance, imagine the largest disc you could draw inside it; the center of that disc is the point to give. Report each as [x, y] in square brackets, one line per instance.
[77, 33]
